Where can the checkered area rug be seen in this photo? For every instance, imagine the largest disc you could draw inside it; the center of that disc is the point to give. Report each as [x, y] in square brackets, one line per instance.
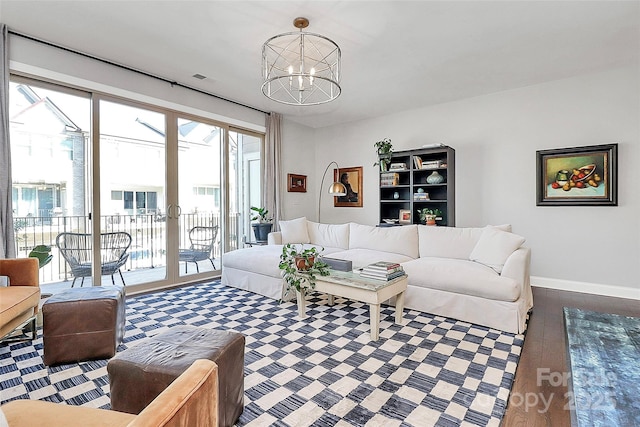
[322, 371]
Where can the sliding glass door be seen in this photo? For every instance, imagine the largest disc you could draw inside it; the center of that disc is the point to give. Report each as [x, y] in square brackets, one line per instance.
[50, 148]
[170, 191]
[200, 190]
[132, 188]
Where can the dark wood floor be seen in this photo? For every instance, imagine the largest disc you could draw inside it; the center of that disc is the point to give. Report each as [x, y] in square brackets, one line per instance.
[538, 403]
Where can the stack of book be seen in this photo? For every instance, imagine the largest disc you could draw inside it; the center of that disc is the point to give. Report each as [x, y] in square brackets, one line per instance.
[432, 164]
[420, 196]
[389, 179]
[382, 270]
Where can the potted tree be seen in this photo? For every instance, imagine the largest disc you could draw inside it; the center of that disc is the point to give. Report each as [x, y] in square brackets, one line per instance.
[385, 149]
[429, 215]
[301, 267]
[262, 228]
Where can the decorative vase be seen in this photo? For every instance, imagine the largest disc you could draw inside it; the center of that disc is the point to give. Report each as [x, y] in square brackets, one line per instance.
[435, 178]
[396, 195]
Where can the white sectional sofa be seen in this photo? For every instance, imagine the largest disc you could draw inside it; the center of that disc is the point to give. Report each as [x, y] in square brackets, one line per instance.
[478, 275]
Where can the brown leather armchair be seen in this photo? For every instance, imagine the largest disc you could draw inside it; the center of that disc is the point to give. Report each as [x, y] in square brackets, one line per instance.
[19, 301]
[191, 400]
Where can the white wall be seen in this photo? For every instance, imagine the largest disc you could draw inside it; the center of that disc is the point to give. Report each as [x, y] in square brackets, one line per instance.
[496, 137]
[298, 157]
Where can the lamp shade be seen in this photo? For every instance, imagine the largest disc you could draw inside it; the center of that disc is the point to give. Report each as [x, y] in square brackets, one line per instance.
[337, 189]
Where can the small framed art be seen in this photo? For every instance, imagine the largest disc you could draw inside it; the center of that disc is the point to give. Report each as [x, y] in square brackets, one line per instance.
[578, 176]
[296, 183]
[405, 216]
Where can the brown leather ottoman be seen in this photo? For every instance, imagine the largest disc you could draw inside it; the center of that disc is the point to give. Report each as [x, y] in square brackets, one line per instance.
[140, 373]
[83, 324]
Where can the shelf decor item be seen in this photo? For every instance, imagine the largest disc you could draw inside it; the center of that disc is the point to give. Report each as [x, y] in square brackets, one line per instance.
[435, 178]
[428, 215]
[385, 150]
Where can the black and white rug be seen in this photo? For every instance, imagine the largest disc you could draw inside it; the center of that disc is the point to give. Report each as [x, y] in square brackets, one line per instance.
[323, 370]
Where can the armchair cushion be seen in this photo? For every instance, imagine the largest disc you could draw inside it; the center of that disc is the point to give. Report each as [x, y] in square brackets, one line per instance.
[191, 400]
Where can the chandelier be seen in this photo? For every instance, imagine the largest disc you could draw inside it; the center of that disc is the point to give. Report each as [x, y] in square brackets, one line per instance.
[301, 68]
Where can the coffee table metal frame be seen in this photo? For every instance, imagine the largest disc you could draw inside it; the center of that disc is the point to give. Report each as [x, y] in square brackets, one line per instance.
[351, 286]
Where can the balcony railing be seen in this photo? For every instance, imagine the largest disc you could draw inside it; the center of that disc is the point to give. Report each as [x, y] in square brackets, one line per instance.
[148, 233]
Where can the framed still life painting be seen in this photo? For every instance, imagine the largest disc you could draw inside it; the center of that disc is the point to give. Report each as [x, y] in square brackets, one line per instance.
[578, 176]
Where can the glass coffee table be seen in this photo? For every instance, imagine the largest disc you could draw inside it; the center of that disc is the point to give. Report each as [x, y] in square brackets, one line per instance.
[350, 285]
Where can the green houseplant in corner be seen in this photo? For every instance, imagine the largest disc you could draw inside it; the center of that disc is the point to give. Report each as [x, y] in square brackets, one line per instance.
[301, 267]
[262, 228]
[429, 215]
[385, 149]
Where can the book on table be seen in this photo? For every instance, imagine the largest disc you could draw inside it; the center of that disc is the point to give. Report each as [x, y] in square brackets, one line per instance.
[382, 270]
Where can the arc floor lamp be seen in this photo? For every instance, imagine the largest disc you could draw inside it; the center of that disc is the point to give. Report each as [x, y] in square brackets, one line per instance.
[336, 189]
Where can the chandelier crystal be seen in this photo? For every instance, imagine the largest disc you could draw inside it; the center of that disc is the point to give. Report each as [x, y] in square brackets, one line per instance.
[301, 68]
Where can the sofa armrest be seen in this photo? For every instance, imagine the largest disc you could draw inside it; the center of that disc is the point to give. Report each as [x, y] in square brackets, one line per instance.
[517, 267]
[274, 238]
[21, 271]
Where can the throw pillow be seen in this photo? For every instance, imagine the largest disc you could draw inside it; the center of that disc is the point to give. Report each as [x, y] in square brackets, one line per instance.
[494, 247]
[294, 231]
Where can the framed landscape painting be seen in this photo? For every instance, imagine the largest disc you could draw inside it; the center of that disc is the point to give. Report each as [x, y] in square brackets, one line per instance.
[578, 176]
[351, 178]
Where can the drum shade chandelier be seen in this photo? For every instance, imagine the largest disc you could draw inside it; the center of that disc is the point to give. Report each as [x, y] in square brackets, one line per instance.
[301, 68]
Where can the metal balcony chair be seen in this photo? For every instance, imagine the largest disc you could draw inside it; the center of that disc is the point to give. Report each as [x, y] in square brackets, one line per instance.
[201, 241]
[76, 249]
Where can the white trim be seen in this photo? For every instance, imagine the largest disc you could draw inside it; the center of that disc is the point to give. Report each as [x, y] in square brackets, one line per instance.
[586, 287]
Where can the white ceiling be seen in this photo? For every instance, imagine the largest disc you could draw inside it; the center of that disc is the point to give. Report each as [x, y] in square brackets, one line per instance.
[397, 55]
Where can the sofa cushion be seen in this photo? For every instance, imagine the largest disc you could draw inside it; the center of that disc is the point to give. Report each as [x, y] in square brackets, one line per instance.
[363, 257]
[294, 231]
[450, 242]
[263, 259]
[494, 247]
[447, 242]
[462, 277]
[400, 240]
[329, 235]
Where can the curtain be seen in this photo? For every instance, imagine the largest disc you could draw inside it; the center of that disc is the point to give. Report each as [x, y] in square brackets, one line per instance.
[272, 167]
[7, 237]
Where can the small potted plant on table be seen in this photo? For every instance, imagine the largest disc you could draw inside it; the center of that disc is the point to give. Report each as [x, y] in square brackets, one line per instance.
[429, 215]
[300, 269]
[262, 228]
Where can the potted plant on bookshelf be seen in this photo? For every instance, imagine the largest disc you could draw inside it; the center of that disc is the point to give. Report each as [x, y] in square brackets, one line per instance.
[301, 267]
[429, 215]
[385, 150]
[262, 228]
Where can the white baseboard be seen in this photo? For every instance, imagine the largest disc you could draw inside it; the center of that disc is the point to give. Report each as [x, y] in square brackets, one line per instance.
[586, 287]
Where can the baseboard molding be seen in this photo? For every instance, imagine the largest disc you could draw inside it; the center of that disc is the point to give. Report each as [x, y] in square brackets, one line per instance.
[586, 287]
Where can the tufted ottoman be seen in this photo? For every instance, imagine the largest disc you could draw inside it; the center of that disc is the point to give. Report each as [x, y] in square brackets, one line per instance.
[140, 373]
[83, 324]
